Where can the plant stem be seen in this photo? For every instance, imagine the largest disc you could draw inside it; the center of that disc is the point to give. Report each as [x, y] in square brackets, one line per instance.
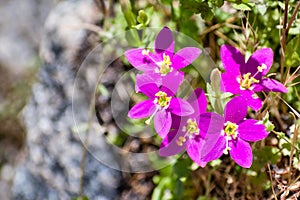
[84, 146]
[285, 31]
[273, 191]
[283, 39]
[101, 6]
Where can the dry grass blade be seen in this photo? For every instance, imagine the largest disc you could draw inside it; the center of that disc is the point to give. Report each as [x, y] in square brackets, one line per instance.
[293, 110]
[272, 187]
[294, 139]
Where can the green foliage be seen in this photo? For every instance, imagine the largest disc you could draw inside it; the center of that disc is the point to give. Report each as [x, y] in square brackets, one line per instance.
[128, 14]
[142, 18]
[205, 8]
[268, 124]
[243, 6]
[172, 181]
[292, 54]
[217, 98]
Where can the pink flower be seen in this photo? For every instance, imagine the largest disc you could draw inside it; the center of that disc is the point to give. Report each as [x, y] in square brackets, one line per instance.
[246, 78]
[186, 133]
[163, 62]
[160, 105]
[231, 133]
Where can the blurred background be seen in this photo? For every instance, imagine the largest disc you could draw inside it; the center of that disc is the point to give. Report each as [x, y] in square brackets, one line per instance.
[21, 30]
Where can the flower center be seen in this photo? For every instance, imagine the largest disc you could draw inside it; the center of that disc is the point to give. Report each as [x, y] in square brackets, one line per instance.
[165, 65]
[163, 100]
[247, 81]
[190, 130]
[192, 127]
[230, 129]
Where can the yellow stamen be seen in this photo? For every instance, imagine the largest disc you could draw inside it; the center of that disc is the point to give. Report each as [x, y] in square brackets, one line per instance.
[247, 81]
[262, 67]
[181, 140]
[165, 66]
[163, 100]
[192, 127]
[231, 129]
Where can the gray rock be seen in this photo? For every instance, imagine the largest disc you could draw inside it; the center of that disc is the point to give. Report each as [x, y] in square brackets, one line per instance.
[21, 27]
[51, 167]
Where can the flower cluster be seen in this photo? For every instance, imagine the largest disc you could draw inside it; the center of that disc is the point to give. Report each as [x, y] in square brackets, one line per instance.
[186, 124]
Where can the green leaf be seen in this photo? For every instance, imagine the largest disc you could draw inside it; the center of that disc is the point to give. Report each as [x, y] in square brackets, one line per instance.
[242, 6]
[262, 8]
[158, 192]
[265, 155]
[217, 98]
[217, 3]
[268, 124]
[215, 78]
[132, 38]
[292, 58]
[182, 167]
[280, 135]
[128, 14]
[179, 189]
[142, 17]
[198, 7]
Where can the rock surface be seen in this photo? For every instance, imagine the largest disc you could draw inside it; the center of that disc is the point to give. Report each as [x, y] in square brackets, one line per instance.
[51, 164]
[21, 28]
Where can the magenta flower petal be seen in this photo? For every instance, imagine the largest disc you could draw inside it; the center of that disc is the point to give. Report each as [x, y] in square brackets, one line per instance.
[149, 89]
[145, 79]
[169, 146]
[171, 82]
[178, 121]
[211, 124]
[185, 56]
[254, 103]
[142, 109]
[180, 107]
[235, 110]
[241, 152]
[198, 101]
[268, 84]
[229, 83]
[258, 58]
[232, 60]
[139, 61]
[250, 130]
[216, 150]
[162, 123]
[164, 42]
[194, 150]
